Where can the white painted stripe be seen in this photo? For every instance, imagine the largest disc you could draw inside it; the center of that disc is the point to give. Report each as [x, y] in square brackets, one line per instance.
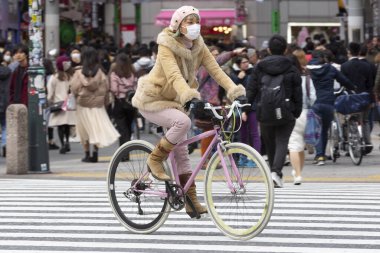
[182, 238]
[89, 199]
[176, 215]
[179, 247]
[367, 207]
[291, 225]
[108, 209]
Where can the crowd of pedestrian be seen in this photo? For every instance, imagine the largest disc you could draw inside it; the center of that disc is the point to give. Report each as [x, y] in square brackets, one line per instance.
[104, 78]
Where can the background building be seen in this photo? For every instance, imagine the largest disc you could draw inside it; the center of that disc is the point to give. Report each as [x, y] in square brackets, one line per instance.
[142, 20]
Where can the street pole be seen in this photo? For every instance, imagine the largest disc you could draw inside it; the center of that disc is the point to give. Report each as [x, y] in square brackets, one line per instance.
[276, 26]
[138, 21]
[51, 25]
[117, 22]
[376, 17]
[38, 149]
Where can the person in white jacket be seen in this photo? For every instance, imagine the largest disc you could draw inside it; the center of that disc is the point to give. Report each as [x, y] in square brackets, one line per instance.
[296, 143]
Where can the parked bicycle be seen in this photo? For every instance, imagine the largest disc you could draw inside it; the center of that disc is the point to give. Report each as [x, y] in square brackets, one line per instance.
[239, 199]
[346, 136]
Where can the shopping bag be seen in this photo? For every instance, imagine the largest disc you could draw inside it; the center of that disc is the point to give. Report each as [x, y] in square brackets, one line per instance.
[71, 103]
[313, 128]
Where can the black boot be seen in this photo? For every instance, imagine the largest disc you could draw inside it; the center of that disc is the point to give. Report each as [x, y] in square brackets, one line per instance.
[94, 157]
[67, 147]
[86, 158]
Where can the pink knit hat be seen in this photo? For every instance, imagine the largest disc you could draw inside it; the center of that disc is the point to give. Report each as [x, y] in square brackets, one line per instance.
[180, 14]
[61, 61]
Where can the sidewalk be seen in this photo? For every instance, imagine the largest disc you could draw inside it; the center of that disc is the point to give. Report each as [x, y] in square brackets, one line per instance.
[69, 165]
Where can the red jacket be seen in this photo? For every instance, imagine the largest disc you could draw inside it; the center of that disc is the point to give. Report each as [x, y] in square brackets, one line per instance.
[21, 98]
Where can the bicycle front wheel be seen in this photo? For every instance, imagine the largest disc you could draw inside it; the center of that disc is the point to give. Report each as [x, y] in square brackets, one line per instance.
[243, 213]
[135, 197]
[333, 141]
[355, 141]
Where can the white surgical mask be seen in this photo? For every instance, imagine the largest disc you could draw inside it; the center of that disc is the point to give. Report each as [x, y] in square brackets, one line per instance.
[7, 58]
[75, 57]
[193, 31]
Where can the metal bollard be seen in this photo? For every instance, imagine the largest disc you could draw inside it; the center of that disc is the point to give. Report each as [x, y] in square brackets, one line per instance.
[17, 139]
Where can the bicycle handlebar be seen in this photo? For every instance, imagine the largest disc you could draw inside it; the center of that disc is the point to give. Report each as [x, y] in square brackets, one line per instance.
[232, 107]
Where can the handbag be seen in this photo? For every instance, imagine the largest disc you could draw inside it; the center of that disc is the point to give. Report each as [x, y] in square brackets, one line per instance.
[57, 106]
[313, 128]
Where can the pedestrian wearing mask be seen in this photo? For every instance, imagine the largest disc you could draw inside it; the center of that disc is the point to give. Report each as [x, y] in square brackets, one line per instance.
[249, 132]
[211, 92]
[75, 56]
[7, 58]
[58, 90]
[90, 87]
[165, 94]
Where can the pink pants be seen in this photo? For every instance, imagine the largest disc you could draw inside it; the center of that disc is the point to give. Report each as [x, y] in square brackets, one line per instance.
[178, 125]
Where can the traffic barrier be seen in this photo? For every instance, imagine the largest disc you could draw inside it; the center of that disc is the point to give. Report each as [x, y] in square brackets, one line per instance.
[17, 139]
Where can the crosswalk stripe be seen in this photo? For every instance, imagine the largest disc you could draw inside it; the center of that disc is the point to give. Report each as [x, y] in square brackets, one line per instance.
[66, 216]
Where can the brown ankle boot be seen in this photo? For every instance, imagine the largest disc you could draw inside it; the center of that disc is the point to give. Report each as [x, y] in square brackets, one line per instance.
[155, 159]
[192, 196]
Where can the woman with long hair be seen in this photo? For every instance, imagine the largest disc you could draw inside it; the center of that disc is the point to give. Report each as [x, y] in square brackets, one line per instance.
[90, 87]
[123, 84]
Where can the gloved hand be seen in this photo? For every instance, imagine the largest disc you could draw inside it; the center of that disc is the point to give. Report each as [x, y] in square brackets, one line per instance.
[242, 99]
[194, 104]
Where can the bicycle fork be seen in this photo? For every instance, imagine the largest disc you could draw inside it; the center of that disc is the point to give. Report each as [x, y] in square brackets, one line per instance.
[220, 149]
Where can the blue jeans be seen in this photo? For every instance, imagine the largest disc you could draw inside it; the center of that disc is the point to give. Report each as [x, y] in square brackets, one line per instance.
[326, 112]
[3, 130]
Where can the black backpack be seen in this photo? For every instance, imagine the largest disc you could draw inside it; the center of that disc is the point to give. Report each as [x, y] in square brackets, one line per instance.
[273, 107]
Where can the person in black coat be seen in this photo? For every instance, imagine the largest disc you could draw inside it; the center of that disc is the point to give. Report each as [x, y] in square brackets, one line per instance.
[5, 74]
[276, 137]
[361, 73]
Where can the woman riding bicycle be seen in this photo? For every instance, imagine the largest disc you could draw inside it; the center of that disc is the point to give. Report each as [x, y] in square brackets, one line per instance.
[165, 94]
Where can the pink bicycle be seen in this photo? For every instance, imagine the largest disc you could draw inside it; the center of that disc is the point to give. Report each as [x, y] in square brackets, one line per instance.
[239, 199]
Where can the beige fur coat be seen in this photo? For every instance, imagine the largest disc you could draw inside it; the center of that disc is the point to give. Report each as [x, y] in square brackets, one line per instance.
[172, 81]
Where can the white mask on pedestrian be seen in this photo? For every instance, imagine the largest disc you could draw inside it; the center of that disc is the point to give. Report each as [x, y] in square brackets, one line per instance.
[7, 58]
[75, 57]
[193, 31]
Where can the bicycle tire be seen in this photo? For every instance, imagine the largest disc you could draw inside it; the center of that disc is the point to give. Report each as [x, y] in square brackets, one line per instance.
[121, 175]
[333, 140]
[223, 206]
[355, 141]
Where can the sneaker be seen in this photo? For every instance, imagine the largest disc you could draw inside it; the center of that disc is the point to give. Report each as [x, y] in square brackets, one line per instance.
[250, 164]
[242, 161]
[321, 161]
[296, 180]
[278, 182]
[53, 146]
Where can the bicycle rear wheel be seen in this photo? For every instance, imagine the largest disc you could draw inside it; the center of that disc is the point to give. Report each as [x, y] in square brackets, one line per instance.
[136, 208]
[355, 141]
[244, 214]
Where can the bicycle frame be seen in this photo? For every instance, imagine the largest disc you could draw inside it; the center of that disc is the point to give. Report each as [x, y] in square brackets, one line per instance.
[215, 141]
